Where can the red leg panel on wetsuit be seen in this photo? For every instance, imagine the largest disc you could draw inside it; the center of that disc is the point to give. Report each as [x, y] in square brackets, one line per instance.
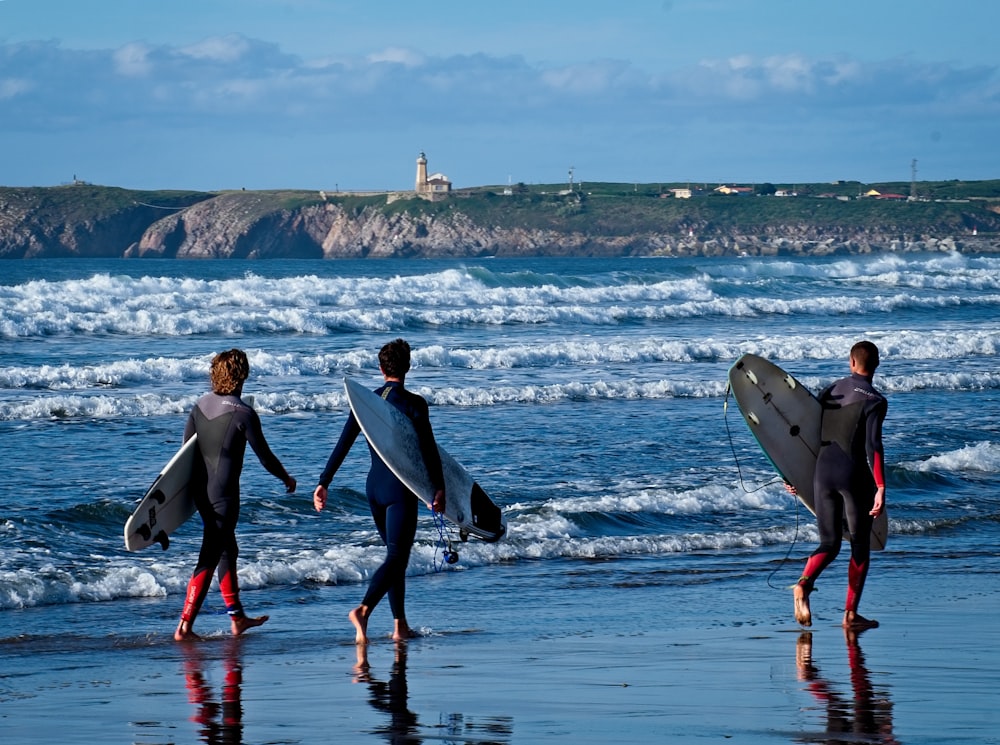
[229, 586]
[814, 567]
[196, 590]
[856, 575]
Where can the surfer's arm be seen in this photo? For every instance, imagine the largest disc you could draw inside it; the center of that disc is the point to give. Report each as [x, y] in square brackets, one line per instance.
[873, 443]
[320, 494]
[432, 457]
[431, 454]
[438, 504]
[255, 436]
[347, 437]
[876, 454]
[879, 503]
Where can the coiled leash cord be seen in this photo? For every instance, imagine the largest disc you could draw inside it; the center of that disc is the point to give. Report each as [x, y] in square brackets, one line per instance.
[739, 471]
[443, 548]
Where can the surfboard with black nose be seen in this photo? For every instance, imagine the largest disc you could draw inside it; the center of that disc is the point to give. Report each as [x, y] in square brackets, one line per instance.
[784, 417]
[393, 436]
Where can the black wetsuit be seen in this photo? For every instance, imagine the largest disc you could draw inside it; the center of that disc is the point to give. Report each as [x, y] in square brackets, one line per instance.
[849, 469]
[394, 507]
[224, 425]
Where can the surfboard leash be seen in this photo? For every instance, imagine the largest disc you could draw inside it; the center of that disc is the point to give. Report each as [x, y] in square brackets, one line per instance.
[788, 553]
[443, 548]
[739, 471]
[732, 447]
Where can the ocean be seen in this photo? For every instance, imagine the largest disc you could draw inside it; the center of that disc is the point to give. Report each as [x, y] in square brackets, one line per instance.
[588, 398]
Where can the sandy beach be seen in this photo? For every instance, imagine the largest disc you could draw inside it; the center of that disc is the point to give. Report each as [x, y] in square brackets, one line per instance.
[649, 663]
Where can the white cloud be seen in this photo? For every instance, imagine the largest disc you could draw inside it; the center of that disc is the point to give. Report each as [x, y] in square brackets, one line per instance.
[223, 49]
[399, 56]
[790, 73]
[594, 78]
[11, 87]
[251, 89]
[132, 60]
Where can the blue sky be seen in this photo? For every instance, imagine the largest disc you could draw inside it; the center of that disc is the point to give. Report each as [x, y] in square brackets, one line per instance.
[325, 94]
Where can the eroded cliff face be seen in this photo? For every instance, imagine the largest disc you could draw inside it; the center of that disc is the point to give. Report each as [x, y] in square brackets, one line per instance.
[227, 228]
[78, 221]
[261, 225]
[243, 226]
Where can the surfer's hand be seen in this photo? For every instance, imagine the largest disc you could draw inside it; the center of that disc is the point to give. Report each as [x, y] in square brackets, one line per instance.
[879, 502]
[791, 489]
[439, 501]
[290, 485]
[319, 498]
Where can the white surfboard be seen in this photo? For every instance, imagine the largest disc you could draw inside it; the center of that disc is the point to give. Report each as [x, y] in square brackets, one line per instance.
[392, 435]
[167, 504]
[785, 417]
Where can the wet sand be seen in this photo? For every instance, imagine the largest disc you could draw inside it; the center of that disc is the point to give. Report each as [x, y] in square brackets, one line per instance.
[640, 664]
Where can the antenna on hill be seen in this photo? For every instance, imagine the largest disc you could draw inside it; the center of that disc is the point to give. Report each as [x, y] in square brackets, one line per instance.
[571, 177]
[913, 179]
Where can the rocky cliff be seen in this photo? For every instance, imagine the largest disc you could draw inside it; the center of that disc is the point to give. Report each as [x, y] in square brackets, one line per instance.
[100, 221]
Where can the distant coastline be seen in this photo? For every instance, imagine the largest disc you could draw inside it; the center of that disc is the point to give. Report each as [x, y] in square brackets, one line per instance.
[601, 219]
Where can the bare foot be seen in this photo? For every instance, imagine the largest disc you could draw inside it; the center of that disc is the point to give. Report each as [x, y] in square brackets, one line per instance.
[403, 632]
[242, 623]
[184, 633]
[359, 617]
[803, 615]
[856, 622]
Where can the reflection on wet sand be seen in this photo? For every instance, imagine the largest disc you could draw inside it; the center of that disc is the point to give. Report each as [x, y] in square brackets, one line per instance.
[864, 717]
[403, 726]
[390, 697]
[220, 722]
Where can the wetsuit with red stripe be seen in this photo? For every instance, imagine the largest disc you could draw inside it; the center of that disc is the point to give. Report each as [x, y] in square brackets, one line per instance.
[849, 469]
[224, 425]
[394, 507]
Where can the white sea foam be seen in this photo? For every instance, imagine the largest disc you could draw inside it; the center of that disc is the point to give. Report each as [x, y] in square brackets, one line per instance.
[128, 405]
[981, 457]
[105, 304]
[904, 345]
[536, 532]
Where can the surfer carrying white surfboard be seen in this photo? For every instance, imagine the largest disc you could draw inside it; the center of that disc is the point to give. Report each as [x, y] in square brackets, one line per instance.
[849, 484]
[393, 506]
[224, 424]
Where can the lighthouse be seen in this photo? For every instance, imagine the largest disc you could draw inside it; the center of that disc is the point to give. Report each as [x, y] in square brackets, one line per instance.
[421, 186]
[435, 186]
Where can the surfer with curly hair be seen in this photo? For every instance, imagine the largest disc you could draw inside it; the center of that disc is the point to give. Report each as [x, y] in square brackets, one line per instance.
[224, 424]
[849, 484]
[393, 506]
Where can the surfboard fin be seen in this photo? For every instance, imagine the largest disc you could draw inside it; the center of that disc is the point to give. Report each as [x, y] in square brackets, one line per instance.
[163, 539]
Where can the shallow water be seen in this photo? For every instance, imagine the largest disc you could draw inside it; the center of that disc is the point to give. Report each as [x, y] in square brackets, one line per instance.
[587, 397]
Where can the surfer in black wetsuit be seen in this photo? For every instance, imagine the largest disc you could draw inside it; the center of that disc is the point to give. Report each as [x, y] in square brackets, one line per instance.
[393, 506]
[224, 425]
[849, 484]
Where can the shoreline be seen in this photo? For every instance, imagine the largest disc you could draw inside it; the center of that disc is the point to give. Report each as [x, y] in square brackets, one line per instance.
[574, 675]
